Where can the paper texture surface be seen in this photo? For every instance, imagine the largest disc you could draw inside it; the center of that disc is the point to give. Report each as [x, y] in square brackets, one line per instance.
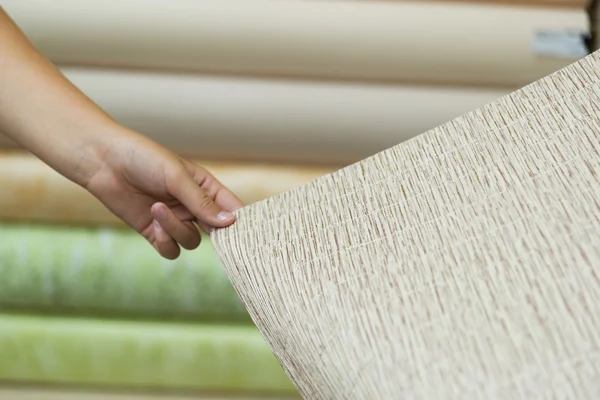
[461, 264]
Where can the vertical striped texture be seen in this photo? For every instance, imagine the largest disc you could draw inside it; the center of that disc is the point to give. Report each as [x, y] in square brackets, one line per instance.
[461, 264]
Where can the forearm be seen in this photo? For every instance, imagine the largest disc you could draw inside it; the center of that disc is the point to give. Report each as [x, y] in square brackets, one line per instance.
[43, 112]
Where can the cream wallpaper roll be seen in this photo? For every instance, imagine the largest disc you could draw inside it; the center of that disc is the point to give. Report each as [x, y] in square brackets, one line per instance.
[34, 192]
[393, 41]
[282, 121]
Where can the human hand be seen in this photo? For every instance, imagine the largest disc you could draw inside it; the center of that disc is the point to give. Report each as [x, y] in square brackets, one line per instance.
[138, 180]
[160, 195]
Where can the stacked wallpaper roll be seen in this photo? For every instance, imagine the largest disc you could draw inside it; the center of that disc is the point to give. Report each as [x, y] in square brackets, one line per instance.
[399, 41]
[85, 301]
[595, 21]
[307, 81]
[266, 94]
[262, 120]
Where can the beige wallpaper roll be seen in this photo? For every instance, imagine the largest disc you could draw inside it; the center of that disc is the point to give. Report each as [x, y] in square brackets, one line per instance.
[463, 264]
[269, 120]
[32, 191]
[406, 41]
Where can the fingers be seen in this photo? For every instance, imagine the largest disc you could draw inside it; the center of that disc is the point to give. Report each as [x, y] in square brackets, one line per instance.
[202, 206]
[222, 196]
[227, 199]
[182, 213]
[164, 243]
[205, 227]
[183, 233]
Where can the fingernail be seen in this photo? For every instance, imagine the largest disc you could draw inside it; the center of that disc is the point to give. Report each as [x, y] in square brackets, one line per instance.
[160, 213]
[224, 216]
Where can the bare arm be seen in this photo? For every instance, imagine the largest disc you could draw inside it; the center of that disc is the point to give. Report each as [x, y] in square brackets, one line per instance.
[46, 114]
[153, 190]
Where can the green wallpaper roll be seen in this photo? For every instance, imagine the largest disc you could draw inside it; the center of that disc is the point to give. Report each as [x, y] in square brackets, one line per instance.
[111, 272]
[142, 354]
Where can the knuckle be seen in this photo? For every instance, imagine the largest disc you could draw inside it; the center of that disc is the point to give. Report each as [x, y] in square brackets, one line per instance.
[205, 203]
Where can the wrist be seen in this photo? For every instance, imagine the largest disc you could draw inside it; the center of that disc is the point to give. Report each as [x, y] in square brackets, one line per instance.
[92, 152]
[77, 152]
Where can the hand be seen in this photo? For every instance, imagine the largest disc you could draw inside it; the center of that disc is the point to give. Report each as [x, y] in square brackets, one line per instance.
[160, 195]
[138, 180]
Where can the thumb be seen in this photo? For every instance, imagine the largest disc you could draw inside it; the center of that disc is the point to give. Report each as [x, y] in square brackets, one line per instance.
[202, 206]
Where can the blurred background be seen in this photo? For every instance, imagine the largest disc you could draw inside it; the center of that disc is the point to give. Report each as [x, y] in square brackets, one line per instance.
[267, 95]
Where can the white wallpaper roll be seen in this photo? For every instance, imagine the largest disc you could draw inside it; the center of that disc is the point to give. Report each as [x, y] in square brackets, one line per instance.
[405, 41]
[267, 120]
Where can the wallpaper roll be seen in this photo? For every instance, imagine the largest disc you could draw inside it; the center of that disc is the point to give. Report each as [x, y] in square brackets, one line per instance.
[34, 192]
[462, 264]
[595, 21]
[271, 120]
[36, 393]
[127, 354]
[29, 393]
[63, 270]
[403, 41]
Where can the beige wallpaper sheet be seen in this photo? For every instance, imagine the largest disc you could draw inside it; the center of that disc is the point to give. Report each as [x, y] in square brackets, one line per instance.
[461, 264]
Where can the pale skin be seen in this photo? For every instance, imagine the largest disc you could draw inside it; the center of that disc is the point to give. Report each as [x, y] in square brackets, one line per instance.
[154, 191]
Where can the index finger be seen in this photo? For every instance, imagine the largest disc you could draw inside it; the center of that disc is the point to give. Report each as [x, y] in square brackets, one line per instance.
[221, 195]
[225, 197]
[201, 204]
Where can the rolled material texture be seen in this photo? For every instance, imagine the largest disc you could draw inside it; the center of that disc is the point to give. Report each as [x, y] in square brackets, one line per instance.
[426, 42]
[271, 120]
[462, 264]
[595, 21]
[34, 192]
[52, 393]
[137, 355]
[98, 272]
